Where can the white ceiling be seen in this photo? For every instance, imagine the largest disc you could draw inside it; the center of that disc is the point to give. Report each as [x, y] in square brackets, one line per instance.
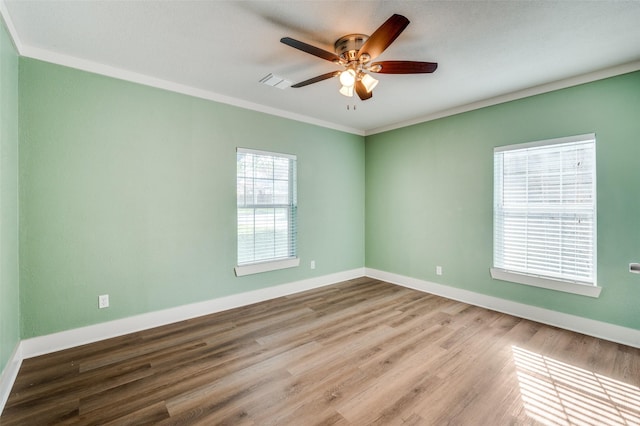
[221, 49]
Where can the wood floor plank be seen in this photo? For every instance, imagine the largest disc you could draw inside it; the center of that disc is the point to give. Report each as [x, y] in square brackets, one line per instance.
[49, 411]
[393, 379]
[357, 352]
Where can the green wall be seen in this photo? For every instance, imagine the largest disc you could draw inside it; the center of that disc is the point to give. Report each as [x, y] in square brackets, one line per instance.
[9, 285]
[129, 190]
[430, 193]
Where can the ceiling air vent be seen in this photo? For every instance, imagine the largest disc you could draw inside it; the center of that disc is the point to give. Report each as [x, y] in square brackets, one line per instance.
[275, 81]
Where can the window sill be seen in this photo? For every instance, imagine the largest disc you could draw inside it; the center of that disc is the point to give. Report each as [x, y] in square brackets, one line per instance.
[564, 286]
[256, 268]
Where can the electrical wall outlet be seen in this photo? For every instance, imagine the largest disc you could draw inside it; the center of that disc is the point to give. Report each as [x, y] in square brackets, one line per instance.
[103, 301]
[313, 264]
[438, 270]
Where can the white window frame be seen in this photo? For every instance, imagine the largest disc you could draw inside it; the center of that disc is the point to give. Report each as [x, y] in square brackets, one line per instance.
[526, 277]
[271, 264]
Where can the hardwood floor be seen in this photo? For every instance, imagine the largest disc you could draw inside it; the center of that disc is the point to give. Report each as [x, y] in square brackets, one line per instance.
[362, 352]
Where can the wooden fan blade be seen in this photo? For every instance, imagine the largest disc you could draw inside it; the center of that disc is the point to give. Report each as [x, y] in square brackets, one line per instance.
[403, 67]
[316, 79]
[384, 36]
[362, 91]
[315, 51]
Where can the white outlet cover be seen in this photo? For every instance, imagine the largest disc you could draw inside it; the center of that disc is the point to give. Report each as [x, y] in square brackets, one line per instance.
[103, 301]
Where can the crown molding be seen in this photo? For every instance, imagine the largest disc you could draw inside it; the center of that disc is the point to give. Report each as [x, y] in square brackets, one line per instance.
[8, 23]
[146, 80]
[131, 76]
[520, 94]
[134, 77]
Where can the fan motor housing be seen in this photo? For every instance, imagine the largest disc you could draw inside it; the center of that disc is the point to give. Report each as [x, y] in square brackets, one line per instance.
[347, 47]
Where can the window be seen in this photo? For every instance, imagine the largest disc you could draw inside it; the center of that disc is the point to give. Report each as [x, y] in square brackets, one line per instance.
[266, 211]
[545, 214]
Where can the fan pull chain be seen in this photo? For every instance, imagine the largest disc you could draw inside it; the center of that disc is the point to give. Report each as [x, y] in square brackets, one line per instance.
[349, 106]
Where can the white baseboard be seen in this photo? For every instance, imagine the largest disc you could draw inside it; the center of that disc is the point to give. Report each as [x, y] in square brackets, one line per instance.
[9, 374]
[79, 336]
[614, 333]
[41, 345]
[66, 339]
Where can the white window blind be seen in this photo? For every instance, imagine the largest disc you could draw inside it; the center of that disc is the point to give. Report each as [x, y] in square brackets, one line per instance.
[545, 209]
[266, 206]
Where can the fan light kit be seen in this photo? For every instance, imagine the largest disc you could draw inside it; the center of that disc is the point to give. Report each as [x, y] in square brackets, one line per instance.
[355, 52]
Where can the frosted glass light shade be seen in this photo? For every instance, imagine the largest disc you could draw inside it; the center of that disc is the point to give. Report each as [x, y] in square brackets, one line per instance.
[369, 82]
[348, 78]
[347, 91]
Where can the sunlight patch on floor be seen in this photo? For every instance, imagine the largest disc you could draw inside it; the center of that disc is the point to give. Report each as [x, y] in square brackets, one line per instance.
[558, 394]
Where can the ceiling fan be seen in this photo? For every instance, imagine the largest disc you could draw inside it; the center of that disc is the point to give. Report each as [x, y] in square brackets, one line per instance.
[356, 51]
